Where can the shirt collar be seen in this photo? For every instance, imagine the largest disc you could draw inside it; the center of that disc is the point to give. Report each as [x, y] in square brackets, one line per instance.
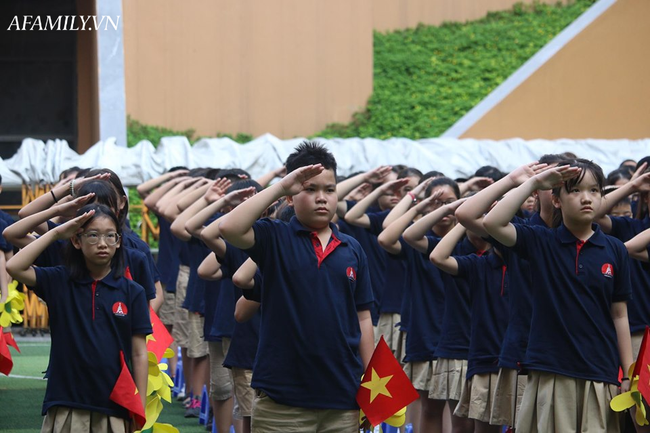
[297, 227]
[566, 237]
[494, 260]
[111, 280]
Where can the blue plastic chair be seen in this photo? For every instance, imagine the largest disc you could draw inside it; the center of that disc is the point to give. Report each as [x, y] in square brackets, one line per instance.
[205, 407]
[179, 380]
[214, 427]
[386, 428]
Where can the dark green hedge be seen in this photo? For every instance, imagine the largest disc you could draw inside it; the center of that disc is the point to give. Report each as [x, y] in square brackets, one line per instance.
[428, 77]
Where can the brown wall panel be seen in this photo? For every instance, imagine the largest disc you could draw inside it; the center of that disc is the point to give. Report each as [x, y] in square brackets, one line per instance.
[400, 14]
[597, 86]
[287, 67]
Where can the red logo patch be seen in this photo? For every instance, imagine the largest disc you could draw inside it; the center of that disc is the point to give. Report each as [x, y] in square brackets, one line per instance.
[119, 309]
[607, 270]
[351, 273]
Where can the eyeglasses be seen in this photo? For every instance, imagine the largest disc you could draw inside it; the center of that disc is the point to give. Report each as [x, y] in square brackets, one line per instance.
[92, 238]
[439, 203]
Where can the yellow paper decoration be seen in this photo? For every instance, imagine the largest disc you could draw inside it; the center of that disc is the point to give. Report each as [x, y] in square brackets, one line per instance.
[397, 420]
[631, 398]
[10, 310]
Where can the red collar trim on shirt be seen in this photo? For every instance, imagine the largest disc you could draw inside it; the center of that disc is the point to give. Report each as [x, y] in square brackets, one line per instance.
[318, 249]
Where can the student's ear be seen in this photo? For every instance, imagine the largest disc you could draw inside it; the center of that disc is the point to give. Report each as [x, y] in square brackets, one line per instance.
[76, 241]
[122, 202]
[556, 201]
[290, 200]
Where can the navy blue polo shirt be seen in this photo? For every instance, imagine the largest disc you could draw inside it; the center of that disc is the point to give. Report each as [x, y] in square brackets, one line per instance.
[132, 240]
[140, 270]
[487, 277]
[91, 322]
[224, 323]
[168, 255]
[308, 354]
[195, 296]
[211, 298]
[624, 229]
[244, 336]
[5, 221]
[254, 294]
[456, 324]
[518, 291]
[574, 285]
[426, 297]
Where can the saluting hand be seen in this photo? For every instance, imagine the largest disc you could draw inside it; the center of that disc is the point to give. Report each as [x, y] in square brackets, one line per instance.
[527, 171]
[72, 227]
[69, 208]
[555, 176]
[292, 183]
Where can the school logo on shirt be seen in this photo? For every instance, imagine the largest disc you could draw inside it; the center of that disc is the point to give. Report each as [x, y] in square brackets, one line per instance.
[119, 309]
[607, 270]
[351, 273]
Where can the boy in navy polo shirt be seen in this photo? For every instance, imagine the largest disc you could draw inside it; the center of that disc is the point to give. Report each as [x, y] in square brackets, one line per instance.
[316, 334]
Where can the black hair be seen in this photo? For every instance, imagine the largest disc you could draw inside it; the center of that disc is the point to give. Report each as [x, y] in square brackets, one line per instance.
[432, 173]
[176, 168]
[645, 159]
[114, 179]
[586, 166]
[82, 173]
[105, 193]
[398, 167]
[198, 172]
[68, 171]
[551, 158]
[618, 174]
[308, 153]
[435, 183]
[243, 184]
[409, 172]
[233, 174]
[285, 213]
[489, 171]
[74, 259]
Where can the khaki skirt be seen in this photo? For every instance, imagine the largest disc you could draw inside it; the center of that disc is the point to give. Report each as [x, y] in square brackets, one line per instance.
[448, 379]
[60, 419]
[477, 397]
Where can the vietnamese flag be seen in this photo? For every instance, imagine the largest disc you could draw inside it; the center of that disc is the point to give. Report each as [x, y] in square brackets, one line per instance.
[9, 339]
[161, 339]
[125, 393]
[385, 388]
[6, 363]
[642, 367]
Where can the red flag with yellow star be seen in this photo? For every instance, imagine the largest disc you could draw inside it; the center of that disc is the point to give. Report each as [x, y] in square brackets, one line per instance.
[642, 366]
[6, 363]
[125, 393]
[385, 388]
[161, 339]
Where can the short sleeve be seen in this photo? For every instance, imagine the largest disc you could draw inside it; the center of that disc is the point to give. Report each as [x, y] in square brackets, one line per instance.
[623, 287]
[376, 221]
[264, 230]
[467, 265]
[526, 239]
[254, 294]
[140, 319]
[140, 270]
[48, 279]
[363, 297]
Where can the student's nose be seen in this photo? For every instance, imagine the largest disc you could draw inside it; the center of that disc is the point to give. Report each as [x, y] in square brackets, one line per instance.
[320, 196]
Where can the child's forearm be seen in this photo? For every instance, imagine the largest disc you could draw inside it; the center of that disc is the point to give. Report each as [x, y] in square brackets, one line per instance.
[18, 233]
[209, 268]
[140, 363]
[400, 209]
[20, 265]
[419, 229]
[622, 326]
[195, 225]
[637, 247]
[45, 201]
[178, 226]
[346, 186]
[357, 215]
[211, 235]
[236, 226]
[389, 238]
[4, 284]
[151, 200]
[497, 221]
[145, 188]
[244, 276]
[471, 213]
[441, 254]
[367, 343]
[245, 309]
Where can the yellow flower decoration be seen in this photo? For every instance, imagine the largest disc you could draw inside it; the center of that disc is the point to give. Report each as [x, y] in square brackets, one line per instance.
[397, 420]
[159, 387]
[631, 398]
[10, 310]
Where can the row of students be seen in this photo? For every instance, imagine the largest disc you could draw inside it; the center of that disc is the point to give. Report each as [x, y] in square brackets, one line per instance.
[315, 334]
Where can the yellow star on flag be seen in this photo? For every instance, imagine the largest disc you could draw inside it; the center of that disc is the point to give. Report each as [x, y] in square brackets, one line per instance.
[377, 385]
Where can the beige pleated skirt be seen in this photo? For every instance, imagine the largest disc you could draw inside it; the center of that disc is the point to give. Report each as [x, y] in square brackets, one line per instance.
[477, 397]
[556, 403]
[59, 419]
[507, 397]
[420, 373]
[448, 379]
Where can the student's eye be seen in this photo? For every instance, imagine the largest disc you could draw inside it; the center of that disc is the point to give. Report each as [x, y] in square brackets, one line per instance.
[575, 190]
[310, 189]
[92, 235]
[331, 190]
[595, 190]
[111, 237]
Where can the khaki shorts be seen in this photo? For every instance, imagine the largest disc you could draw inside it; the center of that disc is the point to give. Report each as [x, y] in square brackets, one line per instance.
[507, 397]
[197, 347]
[419, 372]
[220, 377]
[272, 417]
[556, 403]
[243, 391]
[477, 397]
[167, 311]
[181, 329]
[386, 327]
[448, 379]
[60, 419]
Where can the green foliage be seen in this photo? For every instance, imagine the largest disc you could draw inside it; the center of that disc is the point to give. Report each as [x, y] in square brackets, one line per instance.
[136, 132]
[135, 216]
[427, 78]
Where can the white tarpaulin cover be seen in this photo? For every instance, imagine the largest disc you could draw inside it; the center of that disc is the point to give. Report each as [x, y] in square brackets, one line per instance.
[39, 162]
